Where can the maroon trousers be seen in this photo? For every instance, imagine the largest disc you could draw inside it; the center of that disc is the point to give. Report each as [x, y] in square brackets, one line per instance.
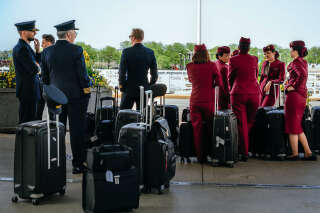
[199, 113]
[245, 107]
[293, 112]
[267, 100]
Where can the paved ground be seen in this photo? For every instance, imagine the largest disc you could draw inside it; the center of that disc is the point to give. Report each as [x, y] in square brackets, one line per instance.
[224, 190]
[255, 186]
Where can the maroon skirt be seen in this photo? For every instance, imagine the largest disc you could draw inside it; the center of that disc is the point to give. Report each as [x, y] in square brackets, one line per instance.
[294, 108]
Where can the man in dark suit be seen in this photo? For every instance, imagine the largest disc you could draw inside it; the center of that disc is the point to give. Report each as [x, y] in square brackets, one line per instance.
[26, 63]
[47, 41]
[134, 66]
[63, 66]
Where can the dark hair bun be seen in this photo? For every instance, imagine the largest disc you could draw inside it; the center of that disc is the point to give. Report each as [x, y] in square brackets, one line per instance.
[304, 52]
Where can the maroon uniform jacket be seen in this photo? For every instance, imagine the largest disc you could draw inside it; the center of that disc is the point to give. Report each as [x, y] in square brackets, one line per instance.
[298, 70]
[204, 77]
[242, 75]
[276, 74]
[224, 96]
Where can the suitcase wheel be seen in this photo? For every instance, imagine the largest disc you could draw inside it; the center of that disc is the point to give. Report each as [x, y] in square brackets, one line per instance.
[62, 192]
[35, 202]
[215, 164]
[230, 165]
[14, 199]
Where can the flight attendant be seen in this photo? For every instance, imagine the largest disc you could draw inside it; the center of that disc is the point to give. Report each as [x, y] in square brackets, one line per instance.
[296, 90]
[223, 56]
[245, 92]
[204, 76]
[272, 72]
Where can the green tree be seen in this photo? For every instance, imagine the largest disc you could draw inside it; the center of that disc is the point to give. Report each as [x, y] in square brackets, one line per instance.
[110, 54]
[125, 44]
[93, 53]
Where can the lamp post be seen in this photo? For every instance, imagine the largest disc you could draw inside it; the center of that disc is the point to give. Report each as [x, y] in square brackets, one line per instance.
[199, 22]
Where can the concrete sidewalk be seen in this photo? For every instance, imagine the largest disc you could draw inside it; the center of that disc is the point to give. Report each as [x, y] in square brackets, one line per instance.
[285, 194]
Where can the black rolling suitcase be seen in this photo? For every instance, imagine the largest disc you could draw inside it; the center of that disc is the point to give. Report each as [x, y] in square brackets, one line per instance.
[108, 112]
[111, 182]
[135, 136]
[186, 147]
[160, 159]
[171, 114]
[127, 116]
[307, 126]
[225, 137]
[105, 128]
[258, 134]
[315, 117]
[39, 159]
[186, 115]
[276, 137]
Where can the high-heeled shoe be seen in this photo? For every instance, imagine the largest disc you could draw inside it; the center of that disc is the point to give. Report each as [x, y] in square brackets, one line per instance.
[312, 157]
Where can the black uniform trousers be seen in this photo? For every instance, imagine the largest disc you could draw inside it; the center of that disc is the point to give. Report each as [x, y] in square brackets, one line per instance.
[41, 104]
[27, 110]
[127, 101]
[75, 111]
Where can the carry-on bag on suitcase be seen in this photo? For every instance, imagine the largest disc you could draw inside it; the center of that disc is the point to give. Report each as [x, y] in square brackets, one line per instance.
[40, 156]
[113, 157]
[225, 137]
[110, 191]
[160, 159]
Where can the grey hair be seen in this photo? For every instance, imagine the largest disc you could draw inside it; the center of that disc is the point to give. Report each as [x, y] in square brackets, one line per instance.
[62, 34]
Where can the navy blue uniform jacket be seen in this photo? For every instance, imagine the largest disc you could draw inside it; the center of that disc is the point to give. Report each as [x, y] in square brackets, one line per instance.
[27, 79]
[134, 65]
[63, 66]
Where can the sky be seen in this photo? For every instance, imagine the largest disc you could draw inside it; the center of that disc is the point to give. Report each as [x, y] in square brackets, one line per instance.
[109, 22]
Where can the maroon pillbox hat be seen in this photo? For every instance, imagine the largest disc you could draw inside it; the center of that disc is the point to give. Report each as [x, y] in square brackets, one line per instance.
[200, 47]
[223, 49]
[245, 40]
[269, 48]
[298, 43]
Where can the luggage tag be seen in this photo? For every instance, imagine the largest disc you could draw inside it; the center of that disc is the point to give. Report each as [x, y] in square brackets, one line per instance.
[109, 176]
[117, 179]
[219, 141]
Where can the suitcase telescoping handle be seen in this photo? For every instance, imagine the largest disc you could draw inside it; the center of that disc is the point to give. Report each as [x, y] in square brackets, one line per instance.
[163, 104]
[149, 108]
[142, 110]
[216, 99]
[277, 102]
[116, 91]
[49, 139]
